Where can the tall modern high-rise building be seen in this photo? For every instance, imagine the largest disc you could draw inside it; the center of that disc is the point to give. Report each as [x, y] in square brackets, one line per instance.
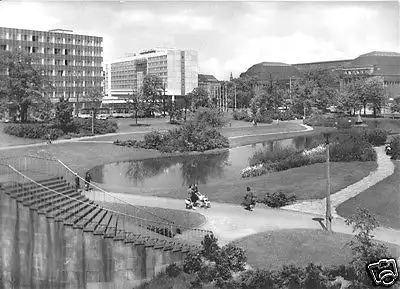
[73, 62]
[177, 68]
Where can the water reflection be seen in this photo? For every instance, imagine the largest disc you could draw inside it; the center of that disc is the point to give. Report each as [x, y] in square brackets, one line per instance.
[180, 171]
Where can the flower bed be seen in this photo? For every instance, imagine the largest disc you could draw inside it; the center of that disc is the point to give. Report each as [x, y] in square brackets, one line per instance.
[345, 147]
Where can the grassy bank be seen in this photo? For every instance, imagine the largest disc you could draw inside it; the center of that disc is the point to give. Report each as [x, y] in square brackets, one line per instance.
[307, 182]
[272, 250]
[382, 199]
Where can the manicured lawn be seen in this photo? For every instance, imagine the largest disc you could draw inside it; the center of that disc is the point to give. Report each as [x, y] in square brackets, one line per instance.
[271, 250]
[383, 199]
[307, 182]
[186, 219]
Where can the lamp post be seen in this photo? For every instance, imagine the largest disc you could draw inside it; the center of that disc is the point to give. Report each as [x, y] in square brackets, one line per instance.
[235, 94]
[328, 215]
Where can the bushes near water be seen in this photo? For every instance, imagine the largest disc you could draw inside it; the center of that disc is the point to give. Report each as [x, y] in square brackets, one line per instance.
[346, 146]
[377, 137]
[77, 128]
[200, 134]
[187, 138]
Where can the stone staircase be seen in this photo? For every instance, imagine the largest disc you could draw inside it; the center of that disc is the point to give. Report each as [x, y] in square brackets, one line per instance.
[56, 199]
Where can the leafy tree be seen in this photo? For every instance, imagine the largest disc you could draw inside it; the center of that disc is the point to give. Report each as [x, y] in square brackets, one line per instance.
[134, 101]
[153, 88]
[199, 98]
[205, 116]
[316, 88]
[348, 99]
[44, 111]
[396, 105]
[234, 257]
[244, 90]
[364, 249]
[94, 96]
[21, 82]
[373, 90]
[270, 96]
[210, 247]
[64, 111]
[192, 263]
[254, 105]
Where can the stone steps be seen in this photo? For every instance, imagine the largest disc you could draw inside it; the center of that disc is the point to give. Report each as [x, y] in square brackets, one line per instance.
[57, 199]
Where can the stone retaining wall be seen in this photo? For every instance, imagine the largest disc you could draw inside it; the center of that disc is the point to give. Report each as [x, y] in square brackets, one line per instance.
[37, 252]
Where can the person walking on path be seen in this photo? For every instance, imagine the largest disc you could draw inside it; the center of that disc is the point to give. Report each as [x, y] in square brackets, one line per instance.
[88, 179]
[77, 183]
[48, 137]
[250, 199]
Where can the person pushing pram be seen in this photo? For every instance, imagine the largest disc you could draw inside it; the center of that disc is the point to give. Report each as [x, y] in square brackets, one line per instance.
[196, 199]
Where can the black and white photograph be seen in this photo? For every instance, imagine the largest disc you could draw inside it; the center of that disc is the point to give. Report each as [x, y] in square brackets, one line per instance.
[199, 144]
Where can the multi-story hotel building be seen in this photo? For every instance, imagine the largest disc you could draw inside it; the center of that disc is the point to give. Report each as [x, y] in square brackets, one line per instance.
[177, 68]
[73, 62]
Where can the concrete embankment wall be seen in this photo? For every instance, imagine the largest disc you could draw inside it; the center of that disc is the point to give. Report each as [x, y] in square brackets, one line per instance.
[37, 252]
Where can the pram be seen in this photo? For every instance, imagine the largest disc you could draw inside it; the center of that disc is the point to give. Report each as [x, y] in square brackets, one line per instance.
[202, 202]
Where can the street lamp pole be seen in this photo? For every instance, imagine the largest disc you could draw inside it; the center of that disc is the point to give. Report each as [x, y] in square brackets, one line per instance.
[328, 188]
[235, 94]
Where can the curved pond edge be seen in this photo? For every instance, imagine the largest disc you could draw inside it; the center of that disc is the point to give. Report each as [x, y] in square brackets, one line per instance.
[268, 137]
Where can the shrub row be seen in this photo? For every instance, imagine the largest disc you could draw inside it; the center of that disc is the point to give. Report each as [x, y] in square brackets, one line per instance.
[33, 130]
[345, 146]
[260, 117]
[291, 276]
[77, 128]
[225, 268]
[376, 137]
[277, 199]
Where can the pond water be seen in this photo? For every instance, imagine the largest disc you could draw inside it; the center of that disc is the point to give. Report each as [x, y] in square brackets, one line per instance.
[180, 171]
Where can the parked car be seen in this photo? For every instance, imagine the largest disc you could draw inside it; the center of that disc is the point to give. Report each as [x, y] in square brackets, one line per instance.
[102, 116]
[84, 115]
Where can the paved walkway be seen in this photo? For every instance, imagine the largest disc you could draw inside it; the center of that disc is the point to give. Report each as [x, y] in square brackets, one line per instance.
[385, 169]
[230, 222]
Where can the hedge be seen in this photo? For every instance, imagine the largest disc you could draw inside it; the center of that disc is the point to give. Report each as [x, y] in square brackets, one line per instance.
[33, 130]
[78, 128]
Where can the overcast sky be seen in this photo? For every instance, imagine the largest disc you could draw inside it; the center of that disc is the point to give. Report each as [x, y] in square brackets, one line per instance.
[229, 36]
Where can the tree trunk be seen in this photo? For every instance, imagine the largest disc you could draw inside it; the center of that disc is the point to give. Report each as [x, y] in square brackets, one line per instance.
[365, 109]
[23, 113]
[136, 115]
